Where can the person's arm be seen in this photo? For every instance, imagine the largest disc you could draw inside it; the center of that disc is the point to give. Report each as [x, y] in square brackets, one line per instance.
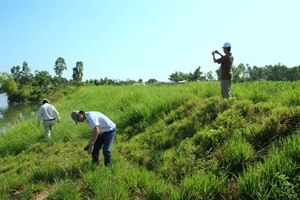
[93, 139]
[217, 52]
[214, 58]
[56, 114]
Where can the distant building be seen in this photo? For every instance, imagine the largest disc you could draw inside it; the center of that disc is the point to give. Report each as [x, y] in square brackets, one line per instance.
[152, 80]
[48, 85]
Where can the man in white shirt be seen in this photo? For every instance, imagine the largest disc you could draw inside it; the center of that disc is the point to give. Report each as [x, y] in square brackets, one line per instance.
[103, 134]
[48, 113]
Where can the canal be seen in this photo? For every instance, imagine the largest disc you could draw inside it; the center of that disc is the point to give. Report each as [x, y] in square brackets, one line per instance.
[12, 113]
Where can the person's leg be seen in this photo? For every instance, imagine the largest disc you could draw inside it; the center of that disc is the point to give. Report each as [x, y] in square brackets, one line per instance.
[47, 128]
[51, 124]
[108, 141]
[229, 89]
[225, 88]
[96, 151]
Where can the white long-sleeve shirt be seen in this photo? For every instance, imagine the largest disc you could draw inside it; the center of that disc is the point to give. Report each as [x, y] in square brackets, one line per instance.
[47, 112]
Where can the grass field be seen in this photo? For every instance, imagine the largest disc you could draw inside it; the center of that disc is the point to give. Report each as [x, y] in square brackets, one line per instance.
[177, 142]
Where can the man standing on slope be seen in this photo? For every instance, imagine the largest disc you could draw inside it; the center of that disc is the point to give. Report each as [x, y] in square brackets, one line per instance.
[104, 132]
[49, 113]
[225, 69]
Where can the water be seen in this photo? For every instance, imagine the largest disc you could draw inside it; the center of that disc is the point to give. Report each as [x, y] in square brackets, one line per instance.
[11, 113]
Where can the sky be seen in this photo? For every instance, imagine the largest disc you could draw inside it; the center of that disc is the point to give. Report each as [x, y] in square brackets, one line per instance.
[145, 39]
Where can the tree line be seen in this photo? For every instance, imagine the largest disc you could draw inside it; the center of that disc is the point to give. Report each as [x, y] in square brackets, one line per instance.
[23, 86]
[243, 73]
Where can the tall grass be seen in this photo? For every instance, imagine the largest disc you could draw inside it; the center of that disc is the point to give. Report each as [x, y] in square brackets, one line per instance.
[276, 178]
[173, 142]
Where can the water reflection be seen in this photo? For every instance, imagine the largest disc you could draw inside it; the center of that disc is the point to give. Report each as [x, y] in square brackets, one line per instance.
[3, 101]
[11, 113]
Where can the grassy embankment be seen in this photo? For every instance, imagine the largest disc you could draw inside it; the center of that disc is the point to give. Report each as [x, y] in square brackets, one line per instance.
[173, 142]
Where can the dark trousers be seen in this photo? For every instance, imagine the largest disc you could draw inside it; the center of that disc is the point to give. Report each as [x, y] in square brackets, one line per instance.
[106, 140]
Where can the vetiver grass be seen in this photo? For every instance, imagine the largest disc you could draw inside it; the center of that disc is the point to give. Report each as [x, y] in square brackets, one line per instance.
[278, 177]
[173, 142]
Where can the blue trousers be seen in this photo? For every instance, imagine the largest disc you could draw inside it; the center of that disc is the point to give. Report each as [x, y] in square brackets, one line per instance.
[106, 140]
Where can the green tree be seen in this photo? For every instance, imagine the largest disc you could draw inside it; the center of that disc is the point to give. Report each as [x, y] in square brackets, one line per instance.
[16, 73]
[209, 76]
[42, 78]
[57, 81]
[78, 71]
[196, 75]
[26, 76]
[239, 73]
[8, 84]
[25, 93]
[178, 76]
[3, 76]
[59, 67]
[294, 73]
[236, 74]
[96, 82]
[268, 72]
[22, 75]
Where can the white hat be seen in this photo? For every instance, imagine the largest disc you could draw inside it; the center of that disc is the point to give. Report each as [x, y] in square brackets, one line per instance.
[226, 45]
[45, 101]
